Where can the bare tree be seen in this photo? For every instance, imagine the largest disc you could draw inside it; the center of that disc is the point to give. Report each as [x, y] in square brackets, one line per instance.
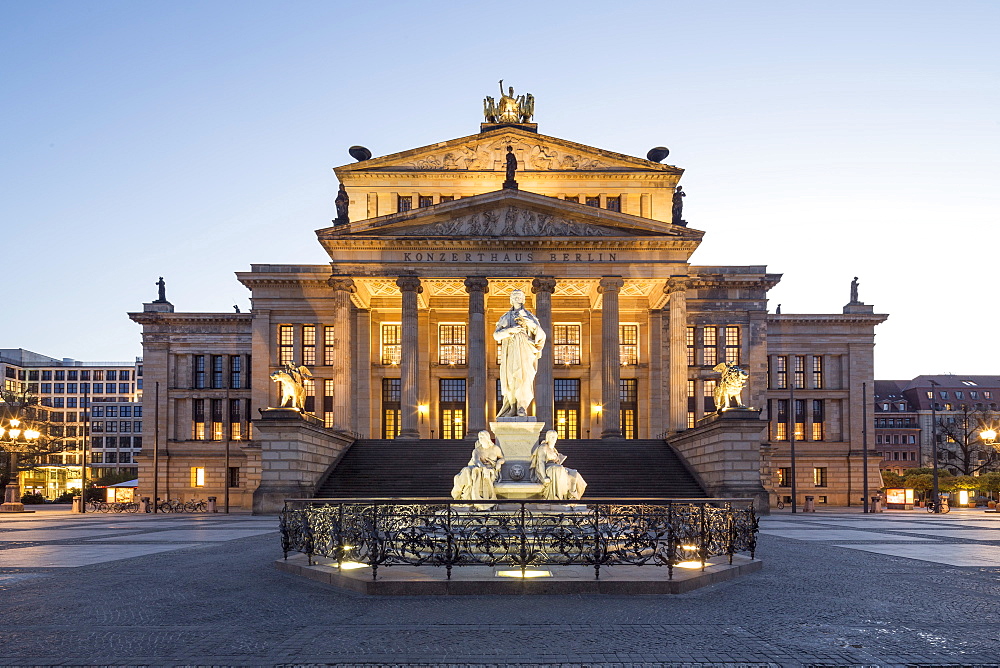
[960, 447]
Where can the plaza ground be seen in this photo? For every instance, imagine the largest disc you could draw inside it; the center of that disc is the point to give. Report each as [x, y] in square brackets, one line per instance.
[837, 589]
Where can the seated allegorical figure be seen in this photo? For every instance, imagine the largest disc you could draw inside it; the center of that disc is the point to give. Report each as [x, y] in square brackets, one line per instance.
[476, 480]
[546, 467]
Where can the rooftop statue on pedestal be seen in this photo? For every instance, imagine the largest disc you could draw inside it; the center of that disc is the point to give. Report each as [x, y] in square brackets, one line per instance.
[521, 339]
[546, 467]
[509, 109]
[475, 481]
[161, 290]
[293, 386]
[732, 380]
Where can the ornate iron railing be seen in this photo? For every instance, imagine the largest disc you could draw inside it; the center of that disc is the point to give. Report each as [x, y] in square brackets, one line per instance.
[519, 534]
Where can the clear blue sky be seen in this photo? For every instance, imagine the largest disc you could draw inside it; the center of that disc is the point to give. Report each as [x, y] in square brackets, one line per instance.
[189, 139]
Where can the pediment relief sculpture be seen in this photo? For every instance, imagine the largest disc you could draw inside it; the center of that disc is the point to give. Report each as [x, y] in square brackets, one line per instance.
[509, 221]
[484, 156]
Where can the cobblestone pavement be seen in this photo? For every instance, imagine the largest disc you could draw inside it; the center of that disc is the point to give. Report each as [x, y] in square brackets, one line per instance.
[823, 599]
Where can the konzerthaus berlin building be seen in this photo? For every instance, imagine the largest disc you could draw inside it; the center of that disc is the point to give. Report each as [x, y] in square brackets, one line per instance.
[397, 328]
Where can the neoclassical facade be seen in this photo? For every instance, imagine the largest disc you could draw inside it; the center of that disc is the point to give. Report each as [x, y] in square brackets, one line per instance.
[397, 328]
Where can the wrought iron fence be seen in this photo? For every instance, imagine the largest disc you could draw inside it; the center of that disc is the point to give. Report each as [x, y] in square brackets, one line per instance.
[519, 534]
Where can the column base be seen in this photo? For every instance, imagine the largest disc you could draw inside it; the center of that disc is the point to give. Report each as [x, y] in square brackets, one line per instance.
[13, 508]
[611, 433]
[409, 435]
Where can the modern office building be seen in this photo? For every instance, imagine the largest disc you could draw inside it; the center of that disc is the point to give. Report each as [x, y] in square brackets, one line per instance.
[63, 388]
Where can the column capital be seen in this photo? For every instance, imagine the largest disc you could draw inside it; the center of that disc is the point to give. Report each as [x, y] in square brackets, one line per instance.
[675, 284]
[610, 284]
[342, 283]
[476, 284]
[409, 284]
[543, 284]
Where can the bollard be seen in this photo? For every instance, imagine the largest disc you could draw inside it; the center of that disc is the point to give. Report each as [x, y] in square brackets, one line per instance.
[877, 503]
[211, 505]
[810, 506]
[144, 504]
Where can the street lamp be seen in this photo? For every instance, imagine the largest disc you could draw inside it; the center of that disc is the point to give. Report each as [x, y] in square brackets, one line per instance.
[15, 437]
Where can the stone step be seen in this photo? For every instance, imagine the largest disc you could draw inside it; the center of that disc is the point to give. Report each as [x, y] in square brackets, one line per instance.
[612, 468]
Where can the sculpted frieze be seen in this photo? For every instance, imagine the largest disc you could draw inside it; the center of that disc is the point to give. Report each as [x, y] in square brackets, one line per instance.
[484, 155]
[507, 222]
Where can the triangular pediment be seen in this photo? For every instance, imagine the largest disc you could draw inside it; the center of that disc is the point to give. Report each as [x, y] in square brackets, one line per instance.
[485, 152]
[508, 214]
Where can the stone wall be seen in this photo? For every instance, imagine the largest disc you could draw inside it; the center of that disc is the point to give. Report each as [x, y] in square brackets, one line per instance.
[724, 452]
[294, 454]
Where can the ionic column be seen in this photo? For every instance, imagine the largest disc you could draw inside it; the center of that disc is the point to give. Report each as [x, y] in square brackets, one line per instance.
[677, 327]
[343, 369]
[610, 358]
[409, 362]
[543, 289]
[476, 384]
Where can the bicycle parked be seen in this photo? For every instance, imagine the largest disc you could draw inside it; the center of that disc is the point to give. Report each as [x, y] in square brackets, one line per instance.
[932, 507]
[177, 506]
[112, 507]
[778, 503]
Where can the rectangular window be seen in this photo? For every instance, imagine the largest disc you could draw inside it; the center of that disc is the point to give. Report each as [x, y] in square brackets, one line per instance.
[61, 375]
[566, 344]
[781, 426]
[566, 399]
[819, 476]
[594, 201]
[234, 476]
[198, 381]
[817, 372]
[800, 419]
[392, 343]
[71, 388]
[47, 375]
[46, 388]
[628, 395]
[328, 415]
[286, 344]
[732, 344]
[452, 407]
[781, 372]
[235, 372]
[785, 476]
[425, 200]
[111, 375]
[309, 385]
[628, 344]
[574, 198]
[198, 419]
[391, 396]
[446, 198]
[235, 420]
[123, 375]
[800, 371]
[451, 344]
[404, 203]
[60, 388]
[329, 345]
[613, 203]
[197, 476]
[709, 396]
[309, 345]
[819, 417]
[217, 419]
[711, 349]
[217, 372]
[689, 342]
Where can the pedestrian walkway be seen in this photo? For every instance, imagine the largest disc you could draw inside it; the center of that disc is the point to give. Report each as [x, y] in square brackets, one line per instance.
[836, 589]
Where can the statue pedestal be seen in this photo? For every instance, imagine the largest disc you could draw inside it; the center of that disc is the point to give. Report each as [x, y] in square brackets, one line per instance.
[517, 436]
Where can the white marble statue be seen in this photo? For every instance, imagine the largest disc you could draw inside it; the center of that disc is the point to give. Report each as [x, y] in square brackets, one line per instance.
[521, 339]
[292, 380]
[547, 468]
[476, 480]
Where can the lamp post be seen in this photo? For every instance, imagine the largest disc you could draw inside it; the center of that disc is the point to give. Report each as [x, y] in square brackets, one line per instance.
[934, 449]
[15, 436]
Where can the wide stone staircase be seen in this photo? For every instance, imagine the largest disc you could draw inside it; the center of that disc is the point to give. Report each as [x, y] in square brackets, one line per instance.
[612, 468]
